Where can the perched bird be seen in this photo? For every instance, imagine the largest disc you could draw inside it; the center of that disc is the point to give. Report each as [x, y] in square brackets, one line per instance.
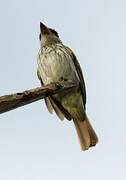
[57, 62]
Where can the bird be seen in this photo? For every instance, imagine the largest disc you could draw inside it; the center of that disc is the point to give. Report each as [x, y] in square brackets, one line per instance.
[58, 63]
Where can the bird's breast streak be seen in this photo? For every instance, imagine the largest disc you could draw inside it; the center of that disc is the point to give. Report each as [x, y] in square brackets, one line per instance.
[55, 65]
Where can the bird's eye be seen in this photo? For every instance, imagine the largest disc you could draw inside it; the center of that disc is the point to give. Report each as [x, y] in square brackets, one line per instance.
[40, 37]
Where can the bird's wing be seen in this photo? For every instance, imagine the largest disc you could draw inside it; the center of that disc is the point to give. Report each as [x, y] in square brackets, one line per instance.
[80, 75]
[53, 104]
[47, 101]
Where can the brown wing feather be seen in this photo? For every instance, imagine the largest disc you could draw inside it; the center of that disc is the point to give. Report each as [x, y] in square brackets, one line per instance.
[80, 74]
[53, 104]
[49, 105]
[47, 100]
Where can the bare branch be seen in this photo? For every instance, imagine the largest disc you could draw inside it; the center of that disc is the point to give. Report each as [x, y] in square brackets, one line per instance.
[13, 101]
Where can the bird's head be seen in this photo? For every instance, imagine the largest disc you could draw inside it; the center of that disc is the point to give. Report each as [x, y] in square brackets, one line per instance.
[48, 36]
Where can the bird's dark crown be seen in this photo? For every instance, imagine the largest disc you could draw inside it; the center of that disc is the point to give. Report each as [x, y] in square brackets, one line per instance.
[53, 31]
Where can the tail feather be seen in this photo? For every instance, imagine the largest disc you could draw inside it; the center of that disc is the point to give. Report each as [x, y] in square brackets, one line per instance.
[93, 136]
[86, 134]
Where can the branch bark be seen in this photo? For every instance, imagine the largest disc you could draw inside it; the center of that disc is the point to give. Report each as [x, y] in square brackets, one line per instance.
[13, 101]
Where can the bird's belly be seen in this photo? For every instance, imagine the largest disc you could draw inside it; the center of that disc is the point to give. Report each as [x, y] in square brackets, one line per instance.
[73, 103]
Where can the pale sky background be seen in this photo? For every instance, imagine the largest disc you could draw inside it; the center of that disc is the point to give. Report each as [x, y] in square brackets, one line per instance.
[35, 145]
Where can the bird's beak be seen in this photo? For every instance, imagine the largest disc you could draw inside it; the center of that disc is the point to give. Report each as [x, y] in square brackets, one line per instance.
[44, 29]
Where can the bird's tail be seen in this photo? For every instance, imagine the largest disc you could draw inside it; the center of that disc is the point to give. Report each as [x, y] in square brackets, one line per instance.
[86, 134]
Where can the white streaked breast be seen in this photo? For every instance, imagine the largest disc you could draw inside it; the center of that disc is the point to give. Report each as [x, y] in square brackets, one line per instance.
[55, 62]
